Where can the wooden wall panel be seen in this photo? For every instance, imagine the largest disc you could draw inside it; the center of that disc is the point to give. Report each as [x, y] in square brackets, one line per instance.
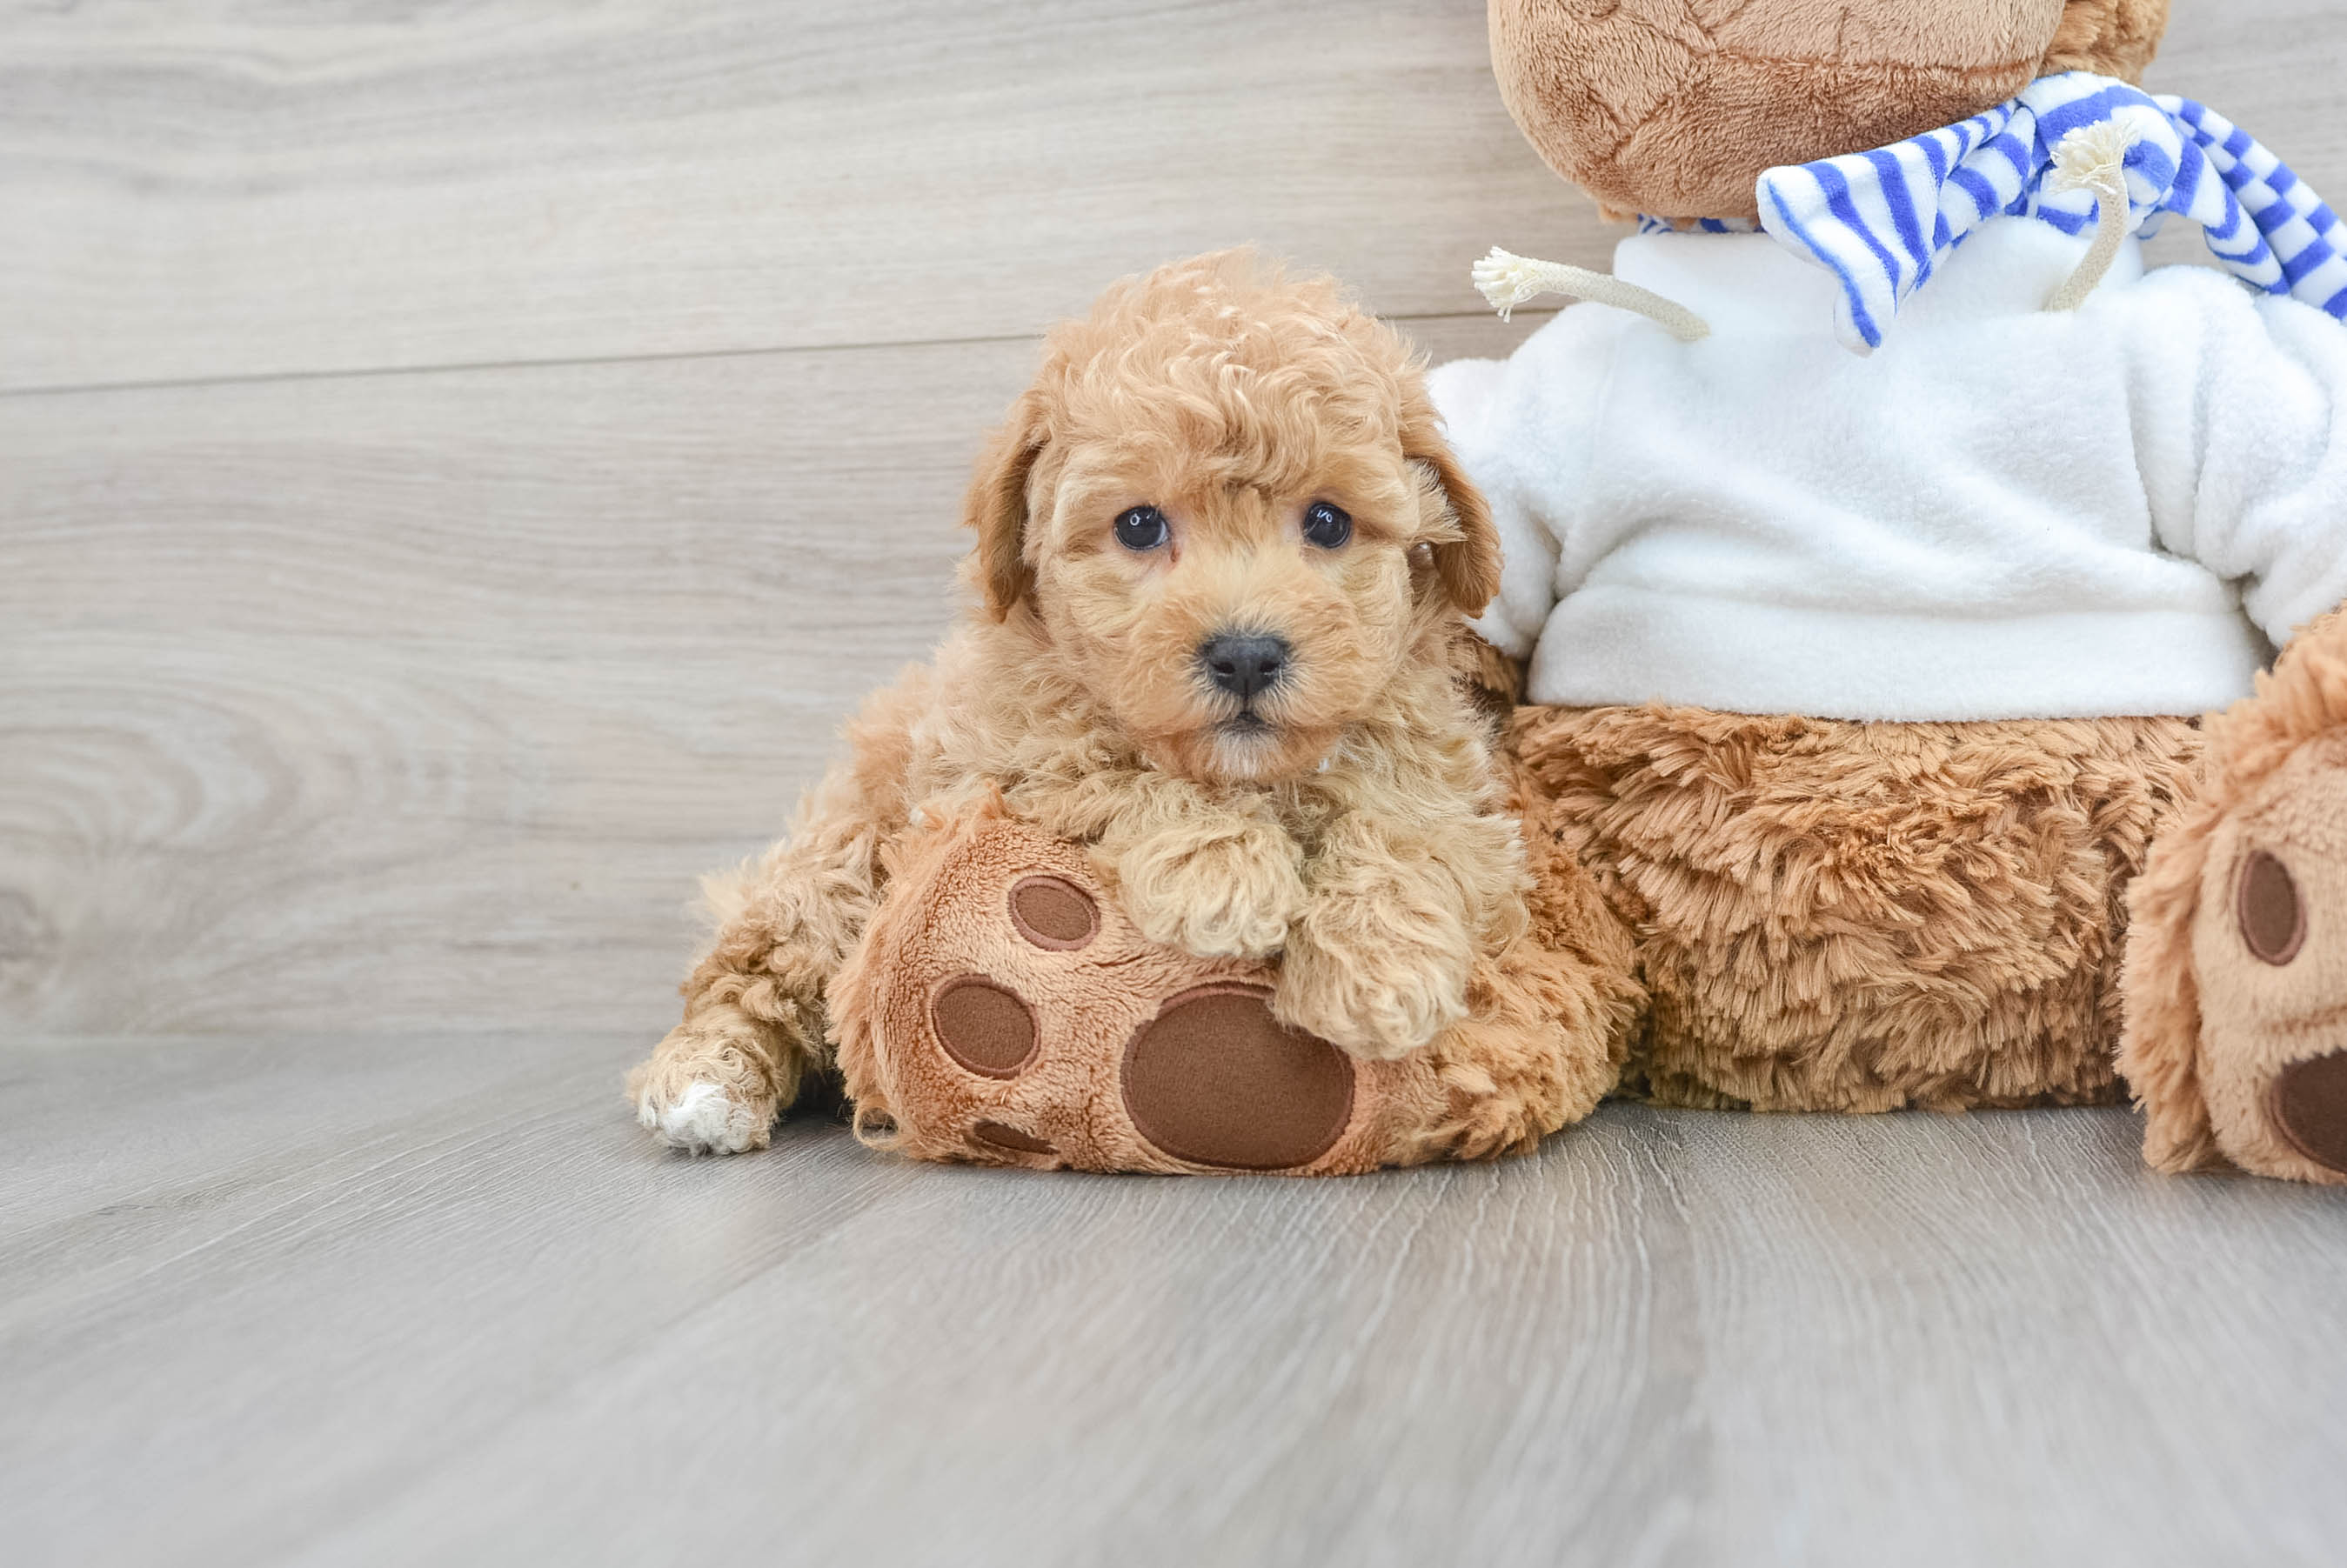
[334, 688]
[265, 190]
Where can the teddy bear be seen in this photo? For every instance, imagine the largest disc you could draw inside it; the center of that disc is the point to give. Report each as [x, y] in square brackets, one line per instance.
[1876, 535]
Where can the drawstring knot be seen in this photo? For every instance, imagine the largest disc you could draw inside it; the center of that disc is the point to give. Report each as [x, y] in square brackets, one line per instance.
[2094, 157]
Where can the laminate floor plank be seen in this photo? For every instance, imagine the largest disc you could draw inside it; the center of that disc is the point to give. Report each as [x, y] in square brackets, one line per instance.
[476, 1313]
[1671, 1338]
[209, 1118]
[239, 1354]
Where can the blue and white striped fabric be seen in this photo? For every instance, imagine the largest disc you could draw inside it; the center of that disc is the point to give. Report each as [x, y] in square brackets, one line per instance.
[1649, 224]
[1882, 220]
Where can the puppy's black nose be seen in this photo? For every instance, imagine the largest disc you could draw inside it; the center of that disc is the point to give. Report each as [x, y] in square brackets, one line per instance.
[1244, 666]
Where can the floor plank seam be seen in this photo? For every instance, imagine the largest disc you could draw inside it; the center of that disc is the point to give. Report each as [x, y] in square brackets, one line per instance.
[581, 361]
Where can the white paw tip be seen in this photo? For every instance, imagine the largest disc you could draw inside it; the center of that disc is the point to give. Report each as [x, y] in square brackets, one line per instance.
[701, 1118]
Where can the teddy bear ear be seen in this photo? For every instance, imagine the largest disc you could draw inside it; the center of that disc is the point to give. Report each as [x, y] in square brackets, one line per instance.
[995, 508]
[2108, 37]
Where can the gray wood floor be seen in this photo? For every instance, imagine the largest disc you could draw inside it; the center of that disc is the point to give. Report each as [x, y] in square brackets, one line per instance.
[458, 464]
[338, 1299]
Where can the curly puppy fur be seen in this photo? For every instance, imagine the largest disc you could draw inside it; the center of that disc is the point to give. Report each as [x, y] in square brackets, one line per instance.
[2205, 1030]
[1674, 107]
[1846, 917]
[1348, 817]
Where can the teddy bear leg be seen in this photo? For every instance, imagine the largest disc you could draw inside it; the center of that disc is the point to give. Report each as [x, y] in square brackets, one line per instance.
[2236, 972]
[1862, 916]
[1551, 1019]
[1003, 1009]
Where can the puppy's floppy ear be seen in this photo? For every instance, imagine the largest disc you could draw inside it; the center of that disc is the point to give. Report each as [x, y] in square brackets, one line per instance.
[1467, 560]
[995, 508]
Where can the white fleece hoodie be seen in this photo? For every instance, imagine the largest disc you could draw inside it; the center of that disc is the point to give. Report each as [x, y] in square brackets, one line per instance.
[2004, 512]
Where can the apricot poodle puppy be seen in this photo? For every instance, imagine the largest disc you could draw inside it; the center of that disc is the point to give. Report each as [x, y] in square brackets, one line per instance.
[1224, 557]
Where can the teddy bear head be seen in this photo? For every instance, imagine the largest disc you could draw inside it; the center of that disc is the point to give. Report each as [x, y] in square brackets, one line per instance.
[1674, 107]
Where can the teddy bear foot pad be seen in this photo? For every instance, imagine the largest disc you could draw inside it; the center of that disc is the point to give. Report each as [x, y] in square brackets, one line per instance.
[1002, 1010]
[2237, 968]
[2307, 1098]
[1213, 1080]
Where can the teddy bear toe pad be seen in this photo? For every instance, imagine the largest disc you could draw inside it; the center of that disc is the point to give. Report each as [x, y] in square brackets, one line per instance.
[1214, 1080]
[1053, 912]
[983, 1025]
[2272, 915]
[2308, 1104]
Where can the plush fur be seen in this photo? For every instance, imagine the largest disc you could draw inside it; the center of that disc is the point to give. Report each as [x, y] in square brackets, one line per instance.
[1350, 820]
[2109, 37]
[1676, 107]
[2209, 1026]
[1861, 917]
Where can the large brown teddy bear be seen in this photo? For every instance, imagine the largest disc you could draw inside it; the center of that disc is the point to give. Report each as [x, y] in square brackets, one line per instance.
[1876, 535]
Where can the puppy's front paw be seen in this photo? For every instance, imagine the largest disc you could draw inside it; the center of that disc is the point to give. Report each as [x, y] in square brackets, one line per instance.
[1376, 983]
[1229, 890]
[712, 1112]
[703, 1120]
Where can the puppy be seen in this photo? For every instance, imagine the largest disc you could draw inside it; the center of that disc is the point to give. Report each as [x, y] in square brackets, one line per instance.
[1224, 563]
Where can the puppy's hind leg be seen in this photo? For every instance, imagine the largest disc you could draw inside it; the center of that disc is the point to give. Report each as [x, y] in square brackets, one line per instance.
[753, 1031]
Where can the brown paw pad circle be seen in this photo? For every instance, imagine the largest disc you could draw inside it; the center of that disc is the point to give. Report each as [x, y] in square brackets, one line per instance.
[1054, 912]
[983, 1025]
[2272, 915]
[1214, 1080]
[2308, 1102]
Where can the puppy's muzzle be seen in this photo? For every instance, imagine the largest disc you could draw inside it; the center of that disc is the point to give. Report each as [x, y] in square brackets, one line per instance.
[1244, 666]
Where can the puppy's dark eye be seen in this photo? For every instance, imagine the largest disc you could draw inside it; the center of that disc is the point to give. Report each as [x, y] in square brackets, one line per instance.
[1326, 526]
[1142, 529]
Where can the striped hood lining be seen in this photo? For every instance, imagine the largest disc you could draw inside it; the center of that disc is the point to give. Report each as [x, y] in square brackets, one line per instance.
[1882, 222]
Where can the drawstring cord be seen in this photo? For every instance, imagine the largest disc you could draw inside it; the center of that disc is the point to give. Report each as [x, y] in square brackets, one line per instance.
[2094, 157]
[1508, 280]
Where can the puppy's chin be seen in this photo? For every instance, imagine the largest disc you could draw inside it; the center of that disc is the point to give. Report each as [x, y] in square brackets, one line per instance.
[1244, 750]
